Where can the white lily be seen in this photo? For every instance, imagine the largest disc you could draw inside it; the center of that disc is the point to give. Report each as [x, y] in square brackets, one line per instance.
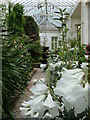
[49, 102]
[52, 66]
[86, 56]
[47, 115]
[42, 80]
[78, 98]
[63, 87]
[23, 110]
[36, 115]
[84, 66]
[74, 95]
[31, 113]
[73, 75]
[52, 106]
[42, 66]
[34, 102]
[39, 88]
[58, 64]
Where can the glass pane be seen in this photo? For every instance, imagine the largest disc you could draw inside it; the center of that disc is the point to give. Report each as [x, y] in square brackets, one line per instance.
[55, 42]
[52, 43]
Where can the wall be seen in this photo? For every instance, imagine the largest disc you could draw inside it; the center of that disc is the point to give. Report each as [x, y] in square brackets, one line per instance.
[73, 27]
[49, 35]
[84, 23]
[89, 23]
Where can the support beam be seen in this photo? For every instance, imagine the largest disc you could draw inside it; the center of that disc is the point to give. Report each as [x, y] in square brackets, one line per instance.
[46, 9]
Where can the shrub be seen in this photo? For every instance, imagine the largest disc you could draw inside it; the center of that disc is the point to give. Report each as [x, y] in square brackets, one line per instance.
[16, 65]
[73, 43]
[15, 19]
[31, 28]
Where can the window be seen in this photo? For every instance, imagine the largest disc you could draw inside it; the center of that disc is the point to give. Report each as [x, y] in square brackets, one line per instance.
[54, 42]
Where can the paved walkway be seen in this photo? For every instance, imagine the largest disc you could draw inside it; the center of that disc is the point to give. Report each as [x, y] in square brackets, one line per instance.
[26, 94]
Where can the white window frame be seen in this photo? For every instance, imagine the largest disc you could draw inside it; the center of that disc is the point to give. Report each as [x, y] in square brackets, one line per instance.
[53, 38]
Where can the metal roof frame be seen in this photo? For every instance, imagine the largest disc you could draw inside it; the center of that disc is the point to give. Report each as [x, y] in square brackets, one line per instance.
[31, 5]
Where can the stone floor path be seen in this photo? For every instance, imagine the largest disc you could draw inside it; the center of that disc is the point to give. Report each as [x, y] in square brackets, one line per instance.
[26, 94]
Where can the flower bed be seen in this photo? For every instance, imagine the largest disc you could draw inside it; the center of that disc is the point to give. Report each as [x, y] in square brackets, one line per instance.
[62, 94]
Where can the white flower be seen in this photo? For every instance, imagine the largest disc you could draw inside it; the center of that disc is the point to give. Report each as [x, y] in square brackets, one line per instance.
[52, 66]
[42, 66]
[51, 106]
[34, 81]
[23, 110]
[58, 64]
[74, 95]
[34, 102]
[36, 115]
[78, 98]
[86, 56]
[73, 75]
[84, 65]
[42, 80]
[47, 115]
[29, 113]
[63, 87]
[49, 102]
[39, 88]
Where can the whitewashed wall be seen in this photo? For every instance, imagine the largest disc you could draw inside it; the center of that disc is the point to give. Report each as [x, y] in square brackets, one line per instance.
[89, 23]
[84, 22]
[49, 35]
[73, 27]
[83, 19]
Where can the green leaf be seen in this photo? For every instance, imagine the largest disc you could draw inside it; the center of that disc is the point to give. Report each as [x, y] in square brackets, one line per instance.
[57, 12]
[64, 10]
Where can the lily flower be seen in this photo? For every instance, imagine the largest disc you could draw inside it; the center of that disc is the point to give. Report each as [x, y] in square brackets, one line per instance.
[43, 66]
[39, 88]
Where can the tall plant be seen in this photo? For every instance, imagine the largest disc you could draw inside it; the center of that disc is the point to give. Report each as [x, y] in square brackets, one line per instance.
[63, 29]
[16, 61]
[15, 19]
[16, 65]
[31, 28]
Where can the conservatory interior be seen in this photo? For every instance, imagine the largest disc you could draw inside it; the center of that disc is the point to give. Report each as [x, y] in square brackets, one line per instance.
[45, 59]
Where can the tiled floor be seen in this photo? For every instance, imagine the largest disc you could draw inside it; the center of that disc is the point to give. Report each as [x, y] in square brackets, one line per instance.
[26, 94]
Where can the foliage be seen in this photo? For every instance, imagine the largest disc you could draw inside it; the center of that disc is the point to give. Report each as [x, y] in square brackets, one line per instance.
[73, 43]
[16, 66]
[31, 28]
[15, 19]
[63, 29]
[56, 95]
[35, 50]
[18, 54]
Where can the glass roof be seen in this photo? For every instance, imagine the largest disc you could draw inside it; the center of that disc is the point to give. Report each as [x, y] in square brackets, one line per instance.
[39, 9]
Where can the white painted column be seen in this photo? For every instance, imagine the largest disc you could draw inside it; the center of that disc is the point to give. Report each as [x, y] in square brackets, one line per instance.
[84, 23]
[89, 23]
